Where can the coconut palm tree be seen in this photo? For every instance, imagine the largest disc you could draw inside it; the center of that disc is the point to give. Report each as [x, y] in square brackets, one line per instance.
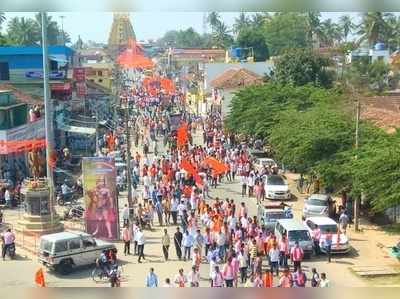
[54, 33]
[374, 27]
[2, 18]
[331, 32]
[221, 36]
[241, 22]
[259, 18]
[23, 31]
[315, 29]
[394, 37]
[347, 26]
[214, 19]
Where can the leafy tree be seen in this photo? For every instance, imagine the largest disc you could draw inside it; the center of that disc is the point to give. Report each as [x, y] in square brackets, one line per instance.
[286, 31]
[314, 26]
[260, 19]
[346, 25]
[394, 37]
[23, 31]
[378, 75]
[302, 66]
[188, 38]
[221, 36]
[331, 33]
[242, 22]
[374, 27]
[54, 33]
[2, 18]
[214, 19]
[253, 37]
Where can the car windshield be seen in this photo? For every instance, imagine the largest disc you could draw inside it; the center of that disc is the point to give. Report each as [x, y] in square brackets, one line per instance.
[46, 245]
[267, 162]
[317, 202]
[275, 180]
[331, 227]
[299, 235]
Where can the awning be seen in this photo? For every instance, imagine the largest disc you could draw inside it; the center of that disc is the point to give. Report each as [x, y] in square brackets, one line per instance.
[61, 61]
[60, 86]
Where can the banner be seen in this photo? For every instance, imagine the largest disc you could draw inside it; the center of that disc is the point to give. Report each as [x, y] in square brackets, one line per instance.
[80, 89]
[99, 184]
[190, 169]
[182, 135]
[39, 74]
[217, 166]
[79, 74]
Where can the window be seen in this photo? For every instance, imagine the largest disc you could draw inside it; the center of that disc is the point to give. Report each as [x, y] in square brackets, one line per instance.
[46, 245]
[100, 80]
[100, 73]
[4, 71]
[74, 244]
[88, 242]
[60, 246]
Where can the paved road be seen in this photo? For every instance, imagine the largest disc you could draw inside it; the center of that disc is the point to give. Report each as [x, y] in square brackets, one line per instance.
[20, 272]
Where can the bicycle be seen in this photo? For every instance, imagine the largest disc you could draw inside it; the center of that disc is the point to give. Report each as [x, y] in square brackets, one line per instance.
[99, 274]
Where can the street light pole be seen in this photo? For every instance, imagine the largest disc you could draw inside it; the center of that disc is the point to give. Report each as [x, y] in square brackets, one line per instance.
[357, 199]
[62, 29]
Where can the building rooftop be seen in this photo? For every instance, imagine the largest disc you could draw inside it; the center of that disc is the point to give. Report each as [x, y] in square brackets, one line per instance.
[236, 77]
[34, 50]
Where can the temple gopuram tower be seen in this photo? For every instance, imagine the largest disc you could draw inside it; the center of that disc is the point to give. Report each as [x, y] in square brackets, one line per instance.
[121, 32]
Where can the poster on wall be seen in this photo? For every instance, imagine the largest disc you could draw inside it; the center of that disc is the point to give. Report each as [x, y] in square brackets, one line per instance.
[99, 185]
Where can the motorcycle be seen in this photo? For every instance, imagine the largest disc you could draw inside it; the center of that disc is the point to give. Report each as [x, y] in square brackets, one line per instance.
[74, 213]
[11, 251]
[70, 198]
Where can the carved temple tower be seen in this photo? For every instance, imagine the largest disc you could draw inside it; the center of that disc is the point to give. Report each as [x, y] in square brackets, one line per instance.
[120, 34]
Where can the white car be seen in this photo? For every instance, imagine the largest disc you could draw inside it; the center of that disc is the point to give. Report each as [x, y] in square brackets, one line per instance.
[277, 188]
[262, 162]
[340, 242]
[64, 251]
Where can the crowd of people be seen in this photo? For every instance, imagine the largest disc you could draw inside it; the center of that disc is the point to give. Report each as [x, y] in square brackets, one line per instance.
[175, 188]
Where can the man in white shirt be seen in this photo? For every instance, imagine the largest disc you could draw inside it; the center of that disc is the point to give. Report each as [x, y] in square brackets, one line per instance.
[125, 215]
[274, 259]
[221, 243]
[140, 241]
[187, 243]
[167, 283]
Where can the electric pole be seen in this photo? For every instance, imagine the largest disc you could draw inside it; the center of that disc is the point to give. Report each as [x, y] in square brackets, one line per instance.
[62, 29]
[357, 199]
[128, 155]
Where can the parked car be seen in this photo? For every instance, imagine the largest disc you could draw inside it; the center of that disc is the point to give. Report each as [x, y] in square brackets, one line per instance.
[268, 214]
[319, 205]
[295, 231]
[65, 251]
[260, 163]
[340, 242]
[276, 187]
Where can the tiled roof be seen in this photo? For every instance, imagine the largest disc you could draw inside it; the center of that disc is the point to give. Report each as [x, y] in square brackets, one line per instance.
[236, 77]
[21, 96]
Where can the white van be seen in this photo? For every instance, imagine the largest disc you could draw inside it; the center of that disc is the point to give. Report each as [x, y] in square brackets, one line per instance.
[294, 231]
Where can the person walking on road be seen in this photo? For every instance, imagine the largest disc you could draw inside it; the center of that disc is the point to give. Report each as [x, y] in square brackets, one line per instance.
[178, 243]
[126, 236]
[274, 259]
[328, 244]
[151, 279]
[315, 279]
[194, 277]
[283, 252]
[180, 279]
[324, 283]
[296, 255]
[316, 235]
[299, 278]
[187, 242]
[141, 242]
[165, 241]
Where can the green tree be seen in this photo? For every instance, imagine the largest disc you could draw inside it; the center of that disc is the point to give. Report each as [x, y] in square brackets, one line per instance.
[2, 18]
[314, 26]
[394, 37]
[374, 27]
[302, 66]
[23, 31]
[286, 31]
[214, 19]
[241, 22]
[331, 33]
[54, 33]
[221, 36]
[378, 75]
[346, 25]
[188, 38]
[253, 37]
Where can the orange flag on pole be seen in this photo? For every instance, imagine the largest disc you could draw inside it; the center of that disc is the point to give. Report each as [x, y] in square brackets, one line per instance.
[216, 165]
[187, 166]
[182, 135]
[39, 278]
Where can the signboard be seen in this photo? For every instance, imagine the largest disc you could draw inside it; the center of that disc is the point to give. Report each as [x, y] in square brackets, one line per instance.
[99, 184]
[80, 89]
[39, 75]
[60, 86]
[79, 74]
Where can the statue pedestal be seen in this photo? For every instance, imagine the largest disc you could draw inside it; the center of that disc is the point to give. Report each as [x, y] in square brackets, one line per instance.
[40, 217]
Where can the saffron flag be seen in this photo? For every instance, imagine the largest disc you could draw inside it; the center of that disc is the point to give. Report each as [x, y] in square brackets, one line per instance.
[216, 165]
[187, 166]
[39, 278]
[182, 135]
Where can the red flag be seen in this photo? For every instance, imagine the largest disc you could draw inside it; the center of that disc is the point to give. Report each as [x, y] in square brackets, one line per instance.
[216, 165]
[39, 278]
[187, 166]
[182, 135]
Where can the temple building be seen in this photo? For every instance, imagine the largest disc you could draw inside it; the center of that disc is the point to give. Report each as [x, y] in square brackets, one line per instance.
[120, 34]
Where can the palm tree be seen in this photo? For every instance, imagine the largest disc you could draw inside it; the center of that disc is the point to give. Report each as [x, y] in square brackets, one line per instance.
[315, 29]
[2, 18]
[221, 36]
[214, 19]
[241, 22]
[346, 25]
[394, 37]
[259, 19]
[374, 27]
[331, 32]
[22, 31]
[54, 34]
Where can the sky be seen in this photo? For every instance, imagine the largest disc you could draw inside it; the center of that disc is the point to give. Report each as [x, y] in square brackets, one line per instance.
[147, 25]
